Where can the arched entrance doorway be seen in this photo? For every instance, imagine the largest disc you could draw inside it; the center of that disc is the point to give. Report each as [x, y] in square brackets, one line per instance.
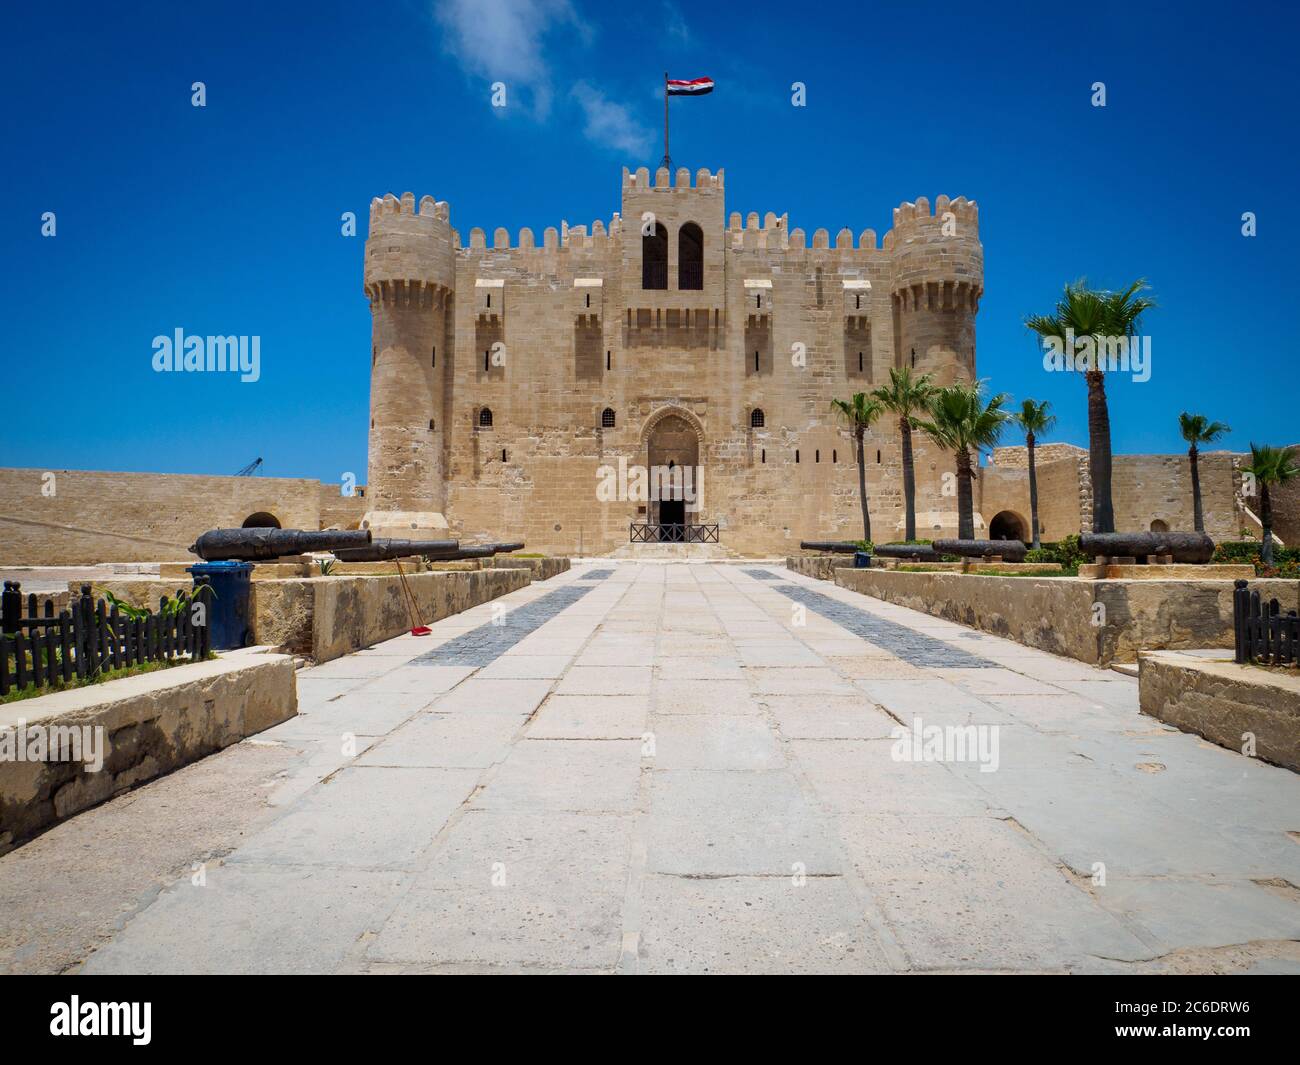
[1008, 525]
[261, 520]
[672, 443]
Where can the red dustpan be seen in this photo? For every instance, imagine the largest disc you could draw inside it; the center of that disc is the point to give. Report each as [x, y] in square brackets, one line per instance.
[418, 627]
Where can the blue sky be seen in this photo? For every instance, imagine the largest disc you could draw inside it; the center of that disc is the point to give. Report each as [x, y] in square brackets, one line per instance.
[225, 219]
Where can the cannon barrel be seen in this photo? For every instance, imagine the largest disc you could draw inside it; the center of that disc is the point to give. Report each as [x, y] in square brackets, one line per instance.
[1010, 550]
[384, 550]
[254, 545]
[506, 547]
[1183, 546]
[838, 547]
[920, 552]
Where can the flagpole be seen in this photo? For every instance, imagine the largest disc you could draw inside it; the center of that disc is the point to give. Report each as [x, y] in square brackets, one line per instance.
[668, 162]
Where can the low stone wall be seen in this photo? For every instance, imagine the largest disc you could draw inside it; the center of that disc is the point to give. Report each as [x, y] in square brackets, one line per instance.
[821, 567]
[542, 569]
[325, 617]
[151, 724]
[1225, 702]
[1098, 622]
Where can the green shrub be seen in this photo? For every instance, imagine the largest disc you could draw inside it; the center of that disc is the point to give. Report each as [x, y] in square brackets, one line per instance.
[1065, 553]
[1286, 560]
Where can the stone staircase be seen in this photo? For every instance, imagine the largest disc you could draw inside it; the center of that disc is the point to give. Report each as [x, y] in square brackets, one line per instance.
[661, 552]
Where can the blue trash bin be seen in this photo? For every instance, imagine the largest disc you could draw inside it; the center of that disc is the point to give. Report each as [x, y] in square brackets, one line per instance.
[861, 560]
[229, 608]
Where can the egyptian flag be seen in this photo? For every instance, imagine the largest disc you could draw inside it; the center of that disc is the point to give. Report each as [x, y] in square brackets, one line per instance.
[694, 87]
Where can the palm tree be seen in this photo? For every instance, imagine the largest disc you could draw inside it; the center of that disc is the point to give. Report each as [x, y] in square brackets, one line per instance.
[961, 421]
[859, 413]
[906, 396]
[1034, 419]
[1270, 465]
[1102, 316]
[1197, 429]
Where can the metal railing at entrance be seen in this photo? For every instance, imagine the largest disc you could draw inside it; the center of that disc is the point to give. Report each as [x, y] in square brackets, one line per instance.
[650, 533]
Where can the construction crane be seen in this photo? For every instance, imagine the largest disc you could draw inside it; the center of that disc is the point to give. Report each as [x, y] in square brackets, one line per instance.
[250, 469]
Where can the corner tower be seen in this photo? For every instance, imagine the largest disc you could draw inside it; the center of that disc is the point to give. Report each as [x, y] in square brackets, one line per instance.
[937, 281]
[410, 281]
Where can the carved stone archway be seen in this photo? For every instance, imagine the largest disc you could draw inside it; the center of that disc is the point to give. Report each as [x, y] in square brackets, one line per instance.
[673, 437]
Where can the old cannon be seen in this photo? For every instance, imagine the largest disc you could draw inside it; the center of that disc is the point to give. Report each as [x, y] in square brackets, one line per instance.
[1193, 547]
[256, 545]
[506, 547]
[1007, 550]
[384, 550]
[837, 547]
[909, 552]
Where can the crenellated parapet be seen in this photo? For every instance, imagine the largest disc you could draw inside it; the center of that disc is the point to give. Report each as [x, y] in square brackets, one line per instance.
[940, 248]
[409, 248]
[665, 179]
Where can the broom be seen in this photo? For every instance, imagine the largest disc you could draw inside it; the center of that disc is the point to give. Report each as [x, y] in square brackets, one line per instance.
[418, 627]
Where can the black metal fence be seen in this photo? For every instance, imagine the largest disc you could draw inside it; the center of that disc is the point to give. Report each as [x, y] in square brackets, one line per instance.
[1263, 633]
[647, 533]
[38, 647]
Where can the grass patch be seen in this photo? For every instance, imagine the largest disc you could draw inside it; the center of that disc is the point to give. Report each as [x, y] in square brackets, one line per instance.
[31, 691]
[921, 567]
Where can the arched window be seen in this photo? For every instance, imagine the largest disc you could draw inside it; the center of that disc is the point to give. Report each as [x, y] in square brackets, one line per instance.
[485, 418]
[1159, 526]
[261, 520]
[654, 258]
[756, 418]
[690, 257]
[607, 418]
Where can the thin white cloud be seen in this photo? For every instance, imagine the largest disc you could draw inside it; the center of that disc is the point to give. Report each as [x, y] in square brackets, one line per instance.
[610, 123]
[503, 40]
[674, 24]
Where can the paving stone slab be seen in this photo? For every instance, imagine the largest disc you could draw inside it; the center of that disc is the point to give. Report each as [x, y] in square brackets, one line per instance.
[516, 889]
[703, 696]
[1184, 914]
[486, 696]
[591, 717]
[577, 776]
[446, 741]
[974, 893]
[828, 717]
[512, 666]
[754, 925]
[360, 714]
[715, 741]
[704, 823]
[857, 777]
[782, 680]
[252, 919]
[363, 817]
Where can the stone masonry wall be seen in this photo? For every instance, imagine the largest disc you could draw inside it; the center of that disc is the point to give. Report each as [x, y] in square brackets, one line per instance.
[93, 516]
[547, 336]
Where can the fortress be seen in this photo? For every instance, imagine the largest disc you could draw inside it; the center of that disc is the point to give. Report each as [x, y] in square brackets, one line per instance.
[504, 378]
[507, 382]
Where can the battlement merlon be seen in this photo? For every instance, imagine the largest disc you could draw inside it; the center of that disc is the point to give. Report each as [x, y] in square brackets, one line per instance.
[704, 179]
[409, 248]
[961, 216]
[939, 249]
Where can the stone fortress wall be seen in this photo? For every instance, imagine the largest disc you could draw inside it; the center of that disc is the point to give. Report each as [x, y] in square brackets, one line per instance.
[734, 375]
[549, 337]
[84, 516]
